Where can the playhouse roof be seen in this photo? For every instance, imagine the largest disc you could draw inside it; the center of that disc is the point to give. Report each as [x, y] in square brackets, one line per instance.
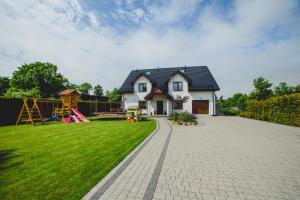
[67, 92]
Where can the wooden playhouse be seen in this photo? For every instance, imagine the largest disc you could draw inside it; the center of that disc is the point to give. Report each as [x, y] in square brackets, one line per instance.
[69, 100]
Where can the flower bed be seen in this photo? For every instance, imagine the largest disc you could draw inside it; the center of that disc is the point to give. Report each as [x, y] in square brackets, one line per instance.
[184, 118]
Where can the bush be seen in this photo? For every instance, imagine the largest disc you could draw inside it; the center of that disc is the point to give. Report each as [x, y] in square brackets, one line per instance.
[283, 109]
[232, 111]
[184, 118]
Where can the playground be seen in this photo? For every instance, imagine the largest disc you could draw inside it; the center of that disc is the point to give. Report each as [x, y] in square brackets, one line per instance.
[67, 109]
[60, 148]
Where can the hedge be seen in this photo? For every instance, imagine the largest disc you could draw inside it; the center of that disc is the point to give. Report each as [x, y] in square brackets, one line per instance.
[283, 109]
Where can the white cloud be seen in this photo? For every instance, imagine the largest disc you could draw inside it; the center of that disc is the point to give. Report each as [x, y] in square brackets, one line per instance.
[138, 14]
[236, 50]
[173, 10]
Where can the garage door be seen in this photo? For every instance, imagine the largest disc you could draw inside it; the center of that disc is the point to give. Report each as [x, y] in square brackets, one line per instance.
[200, 106]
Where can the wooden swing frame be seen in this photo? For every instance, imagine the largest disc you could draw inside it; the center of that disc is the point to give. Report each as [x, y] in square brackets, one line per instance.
[28, 114]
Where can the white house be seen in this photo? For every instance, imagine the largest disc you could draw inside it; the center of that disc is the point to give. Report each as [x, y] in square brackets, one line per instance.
[162, 91]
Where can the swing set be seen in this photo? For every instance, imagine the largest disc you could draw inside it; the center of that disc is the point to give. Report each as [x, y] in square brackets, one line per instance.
[28, 114]
[32, 113]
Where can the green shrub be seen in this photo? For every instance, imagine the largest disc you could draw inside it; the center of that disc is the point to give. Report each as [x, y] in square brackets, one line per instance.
[183, 118]
[231, 111]
[174, 116]
[282, 109]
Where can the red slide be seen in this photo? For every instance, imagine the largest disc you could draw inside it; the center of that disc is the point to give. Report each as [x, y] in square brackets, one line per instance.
[80, 115]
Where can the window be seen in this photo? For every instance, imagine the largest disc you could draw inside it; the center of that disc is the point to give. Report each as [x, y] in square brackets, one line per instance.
[142, 87]
[178, 106]
[142, 104]
[177, 86]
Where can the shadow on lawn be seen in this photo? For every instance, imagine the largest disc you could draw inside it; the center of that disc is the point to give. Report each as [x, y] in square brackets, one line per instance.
[6, 155]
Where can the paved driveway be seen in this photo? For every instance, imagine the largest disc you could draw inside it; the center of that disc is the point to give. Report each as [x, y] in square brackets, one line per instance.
[226, 158]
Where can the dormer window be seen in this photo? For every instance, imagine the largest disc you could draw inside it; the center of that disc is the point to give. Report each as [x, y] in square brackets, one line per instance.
[142, 87]
[177, 86]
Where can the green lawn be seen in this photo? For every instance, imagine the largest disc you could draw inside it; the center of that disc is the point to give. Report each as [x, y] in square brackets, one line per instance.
[63, 161]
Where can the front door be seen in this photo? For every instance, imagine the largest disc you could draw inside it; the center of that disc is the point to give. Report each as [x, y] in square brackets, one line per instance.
[160, 107]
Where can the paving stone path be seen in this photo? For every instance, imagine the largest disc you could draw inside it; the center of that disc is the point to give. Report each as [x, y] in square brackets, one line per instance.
[226, 158]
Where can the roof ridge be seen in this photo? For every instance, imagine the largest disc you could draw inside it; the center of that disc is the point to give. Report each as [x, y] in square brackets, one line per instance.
[158, 68]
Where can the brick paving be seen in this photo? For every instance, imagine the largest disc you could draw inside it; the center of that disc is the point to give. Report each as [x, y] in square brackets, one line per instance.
[226, 158]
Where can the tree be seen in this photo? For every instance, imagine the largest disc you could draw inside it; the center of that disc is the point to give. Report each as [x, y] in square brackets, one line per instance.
[72, 86]
[220, 101]
[237, 100]
[98, 90]
[4, 85]
[114, 96]
[38, 76]
[85, 88]
[19, 93]
[297, 88]
[282, 89]
[262, 89]
[232, 105]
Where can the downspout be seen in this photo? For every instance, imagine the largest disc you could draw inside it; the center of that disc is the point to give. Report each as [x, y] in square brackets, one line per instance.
[214, 103]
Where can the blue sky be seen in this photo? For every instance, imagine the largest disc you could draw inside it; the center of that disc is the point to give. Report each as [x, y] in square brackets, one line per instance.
[100, 41]
[121, 14]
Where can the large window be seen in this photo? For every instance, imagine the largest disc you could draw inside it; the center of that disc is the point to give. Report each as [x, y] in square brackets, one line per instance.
[142, 87]
[178, 106]
[142, 104]
[177, 86]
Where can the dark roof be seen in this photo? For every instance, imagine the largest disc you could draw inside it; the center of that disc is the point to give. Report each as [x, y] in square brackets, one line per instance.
[199, 76]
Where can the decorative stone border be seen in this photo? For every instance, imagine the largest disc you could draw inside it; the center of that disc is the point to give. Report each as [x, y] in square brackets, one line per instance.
[155, 176]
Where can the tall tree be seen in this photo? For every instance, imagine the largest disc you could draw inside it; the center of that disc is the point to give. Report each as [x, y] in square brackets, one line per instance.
[282, 89]
[85, 88]
[262, 89]
[4, 85]
[98, 90]
[114, 96]
[39, 76]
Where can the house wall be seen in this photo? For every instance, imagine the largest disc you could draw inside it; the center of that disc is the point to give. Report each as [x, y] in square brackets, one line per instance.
[197, 95]
[132, 99]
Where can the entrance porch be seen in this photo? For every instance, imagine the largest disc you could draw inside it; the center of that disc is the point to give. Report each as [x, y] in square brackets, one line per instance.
[159, 103]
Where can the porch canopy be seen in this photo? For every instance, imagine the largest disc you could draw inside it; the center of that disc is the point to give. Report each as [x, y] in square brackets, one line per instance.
[157, 91]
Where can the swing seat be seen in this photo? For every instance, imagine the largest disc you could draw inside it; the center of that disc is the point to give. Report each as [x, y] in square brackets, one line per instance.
[55, 117]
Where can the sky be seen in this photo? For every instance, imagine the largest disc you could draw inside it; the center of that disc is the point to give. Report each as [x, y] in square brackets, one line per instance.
[100, 41]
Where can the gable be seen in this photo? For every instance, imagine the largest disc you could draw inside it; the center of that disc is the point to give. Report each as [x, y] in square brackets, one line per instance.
[142, 77]
[179, 75]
